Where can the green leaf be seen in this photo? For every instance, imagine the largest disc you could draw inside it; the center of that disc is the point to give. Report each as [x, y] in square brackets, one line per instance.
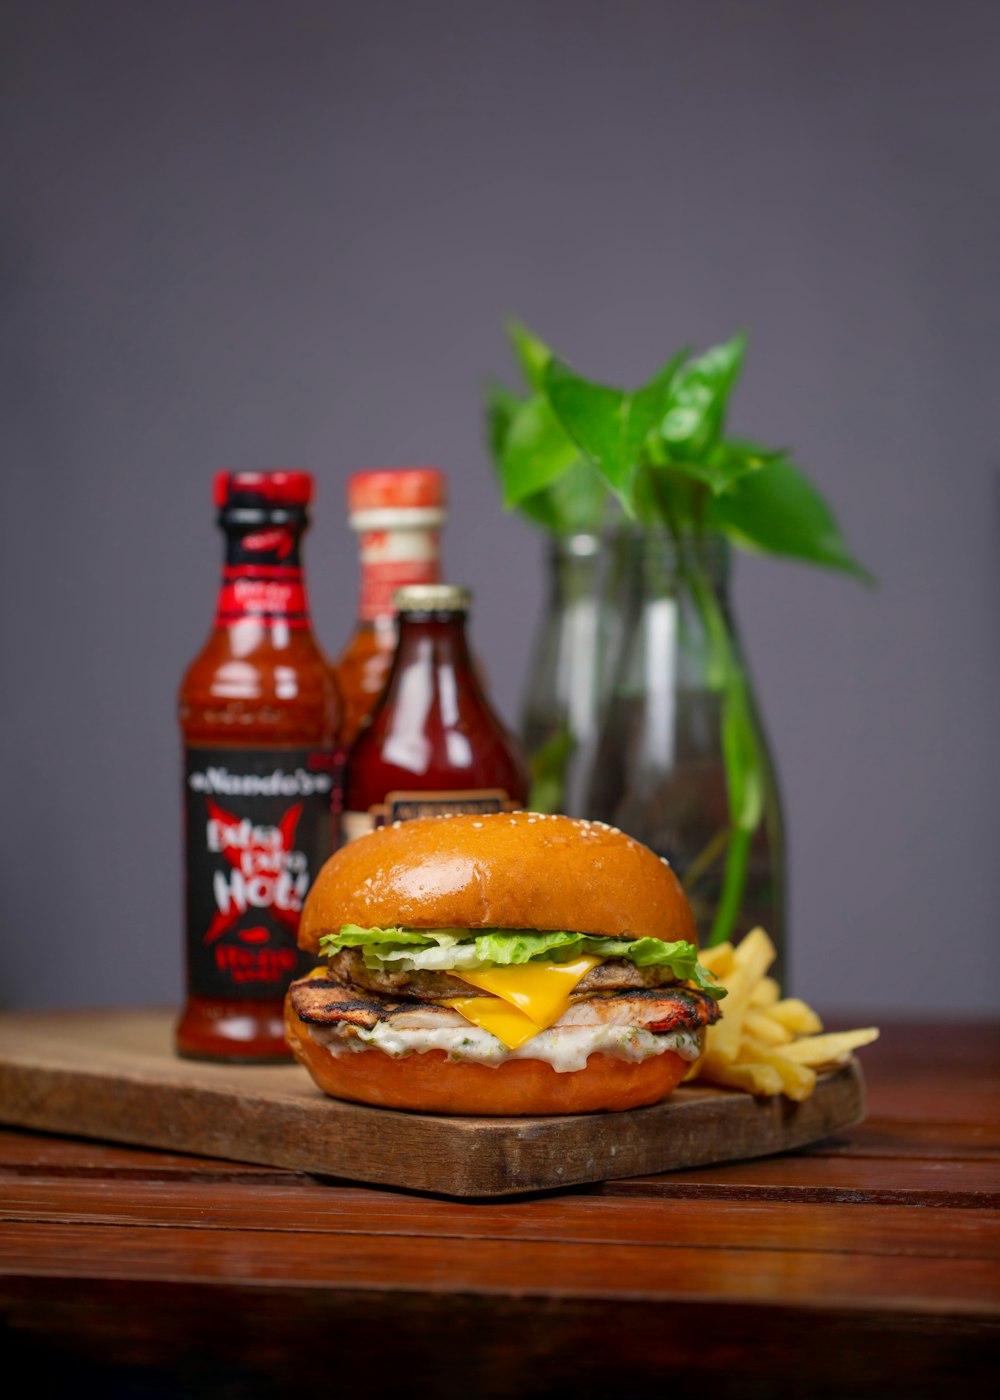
[535, 451]
[501, 406]
[753, 454]
[729, 461]
[608, 425]
[694, 418]
[577, 501]
[580, 498]
[777, 510]
[541, 510]
[647, 497]
[654, 396]
[596, 418]
[532, 353]
[718, 470]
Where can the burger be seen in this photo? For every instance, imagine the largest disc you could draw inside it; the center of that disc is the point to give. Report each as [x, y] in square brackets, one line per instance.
[509, 963]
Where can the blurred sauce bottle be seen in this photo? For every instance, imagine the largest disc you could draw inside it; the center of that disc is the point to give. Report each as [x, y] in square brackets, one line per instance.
[259, 713]
[398, 515]
[434, 743]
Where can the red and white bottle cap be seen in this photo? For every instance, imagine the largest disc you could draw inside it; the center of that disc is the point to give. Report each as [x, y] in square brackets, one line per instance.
[398, 514]
[394, 487]
[393, 498]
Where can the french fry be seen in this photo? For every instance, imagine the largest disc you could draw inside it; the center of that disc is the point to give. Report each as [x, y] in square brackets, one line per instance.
[760, 1079]
[796, 1016]
[832, 1049]
[756, 953]
[765, 993]
[766, 1044]
[718, 959]
[797, 1080]
[763, 1027]
[751, 959]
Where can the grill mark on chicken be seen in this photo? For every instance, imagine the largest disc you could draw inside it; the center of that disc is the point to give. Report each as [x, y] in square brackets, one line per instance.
[679, 1008]
[324, 1000]
[328, 1001]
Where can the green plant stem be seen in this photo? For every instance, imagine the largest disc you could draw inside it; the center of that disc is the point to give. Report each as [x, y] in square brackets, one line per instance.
[742, 760]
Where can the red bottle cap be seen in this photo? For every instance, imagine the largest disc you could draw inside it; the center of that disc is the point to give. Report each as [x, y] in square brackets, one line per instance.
[393, 488]
[277, 488]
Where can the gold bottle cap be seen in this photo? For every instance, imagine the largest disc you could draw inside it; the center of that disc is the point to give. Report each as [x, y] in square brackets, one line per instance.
[432, 597]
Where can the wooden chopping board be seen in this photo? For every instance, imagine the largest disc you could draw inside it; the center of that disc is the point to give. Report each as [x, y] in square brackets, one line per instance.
[113, 1075]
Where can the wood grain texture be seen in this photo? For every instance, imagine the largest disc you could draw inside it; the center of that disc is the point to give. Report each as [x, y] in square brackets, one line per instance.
[548, 1268]
[114, 1075]
[867, 1265]
[963, 1185]
[672, 1223]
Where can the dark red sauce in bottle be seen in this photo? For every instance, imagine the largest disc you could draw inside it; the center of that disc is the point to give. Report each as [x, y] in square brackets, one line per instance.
[433, 743]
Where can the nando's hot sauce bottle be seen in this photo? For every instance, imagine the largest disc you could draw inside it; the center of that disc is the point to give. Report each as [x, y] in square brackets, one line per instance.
[258, 713]
[397, 515]
[434, 743]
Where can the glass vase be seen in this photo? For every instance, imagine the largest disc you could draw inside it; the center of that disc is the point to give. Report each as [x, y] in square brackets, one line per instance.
[681, 760]
[561, 701]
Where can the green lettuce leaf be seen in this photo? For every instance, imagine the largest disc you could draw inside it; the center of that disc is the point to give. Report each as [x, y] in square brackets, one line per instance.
[354, 936]
[503, 949]
[441, 949]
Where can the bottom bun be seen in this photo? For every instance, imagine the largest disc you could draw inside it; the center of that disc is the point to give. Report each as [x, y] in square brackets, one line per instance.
[429, 1082]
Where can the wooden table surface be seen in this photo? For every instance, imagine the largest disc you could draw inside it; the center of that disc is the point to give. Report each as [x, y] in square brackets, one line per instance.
[866, 1265]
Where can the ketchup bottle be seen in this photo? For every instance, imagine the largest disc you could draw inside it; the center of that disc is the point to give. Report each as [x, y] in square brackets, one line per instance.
[397, 515]
[434, 742]
[258, 710]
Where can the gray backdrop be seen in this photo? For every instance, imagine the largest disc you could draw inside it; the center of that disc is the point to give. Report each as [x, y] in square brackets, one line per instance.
[264, 234]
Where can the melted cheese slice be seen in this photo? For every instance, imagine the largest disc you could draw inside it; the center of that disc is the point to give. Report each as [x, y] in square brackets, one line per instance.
[498, 1017]
[523, 1000]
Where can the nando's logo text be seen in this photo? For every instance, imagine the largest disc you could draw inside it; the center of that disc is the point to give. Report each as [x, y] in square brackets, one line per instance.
[299, 783]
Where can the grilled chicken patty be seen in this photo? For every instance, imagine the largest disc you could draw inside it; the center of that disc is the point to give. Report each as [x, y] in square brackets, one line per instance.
[422, 985]
[330, 1001]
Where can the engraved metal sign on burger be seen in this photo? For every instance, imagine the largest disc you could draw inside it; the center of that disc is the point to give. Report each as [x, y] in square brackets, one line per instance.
[499, 963]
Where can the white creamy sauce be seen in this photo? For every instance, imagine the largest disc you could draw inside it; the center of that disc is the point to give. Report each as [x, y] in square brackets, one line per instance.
[565, 1049]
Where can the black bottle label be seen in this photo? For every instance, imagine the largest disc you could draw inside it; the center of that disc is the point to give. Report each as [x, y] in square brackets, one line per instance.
[257, 830]
[403, 806]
